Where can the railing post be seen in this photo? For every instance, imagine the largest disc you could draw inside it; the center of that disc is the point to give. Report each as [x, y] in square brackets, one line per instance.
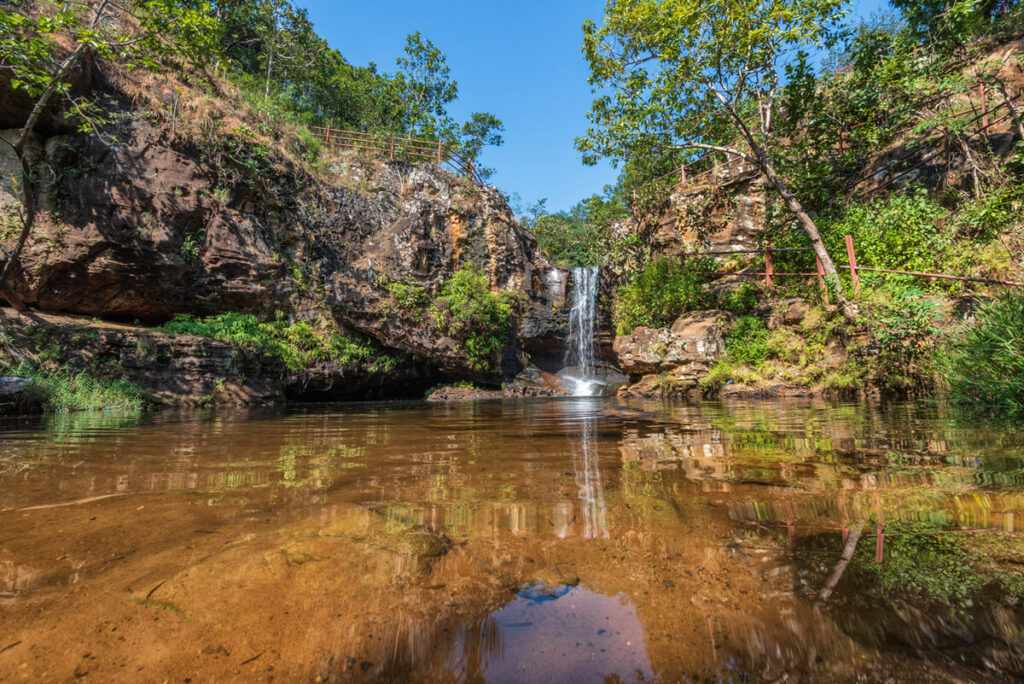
[852, 257]
[328, 143]
[768, 269]
[392, 147]
[821, 278]
[438, 152]
[472, 171]
[682, 174]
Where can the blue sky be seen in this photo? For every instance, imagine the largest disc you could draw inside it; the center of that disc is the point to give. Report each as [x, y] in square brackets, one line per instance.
[519, 60]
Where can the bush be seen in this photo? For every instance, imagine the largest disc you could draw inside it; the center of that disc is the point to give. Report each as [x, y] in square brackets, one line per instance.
[902, 322]
[63, 391]
[478, 319]
[902, 232]
[984, 364]
[747, 341]
[299, 345]
[664, 290]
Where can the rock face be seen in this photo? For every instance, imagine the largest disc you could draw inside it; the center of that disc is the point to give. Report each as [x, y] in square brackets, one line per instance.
[188, 369]
[155, 224]
[667, 360]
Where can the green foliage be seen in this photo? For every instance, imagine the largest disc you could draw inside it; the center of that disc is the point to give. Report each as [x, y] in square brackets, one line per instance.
[409, 297]
[469, 312]
[747, 341]
[902, 322]
[580, 236]
[64, 391]
[664, 290]
[299, 345]
[902, 232]
[984, 363]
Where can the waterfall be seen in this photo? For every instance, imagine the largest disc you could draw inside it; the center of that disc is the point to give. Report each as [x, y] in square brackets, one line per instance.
[579, 352]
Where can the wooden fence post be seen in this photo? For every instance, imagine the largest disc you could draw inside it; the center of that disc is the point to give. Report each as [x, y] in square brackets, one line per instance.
[328, 143]
[472, 171]
[768, 270]
[682, 174]
[853, 264]
[821, 278]
[392, 147]
[438, 152]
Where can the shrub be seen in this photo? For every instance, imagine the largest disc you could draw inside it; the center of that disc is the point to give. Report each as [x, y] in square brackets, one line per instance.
[984, 363]
[64, 391]
[902, 322]
[299, 345]
[479, 320]
[664, 290]
[747, 341]
[902, 232]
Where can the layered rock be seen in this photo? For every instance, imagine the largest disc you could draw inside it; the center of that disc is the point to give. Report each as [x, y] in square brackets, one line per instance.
[145, 224]
[672, 360]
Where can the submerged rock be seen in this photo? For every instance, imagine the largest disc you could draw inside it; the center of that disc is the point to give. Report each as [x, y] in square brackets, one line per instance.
[18, 396]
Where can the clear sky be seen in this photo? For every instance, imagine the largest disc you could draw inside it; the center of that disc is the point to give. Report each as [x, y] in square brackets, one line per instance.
[518, 59]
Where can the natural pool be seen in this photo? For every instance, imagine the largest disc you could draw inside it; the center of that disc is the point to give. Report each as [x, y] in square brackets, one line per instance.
[531, 540]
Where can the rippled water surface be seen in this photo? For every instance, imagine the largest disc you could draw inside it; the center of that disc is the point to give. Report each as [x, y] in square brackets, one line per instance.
[519, 541]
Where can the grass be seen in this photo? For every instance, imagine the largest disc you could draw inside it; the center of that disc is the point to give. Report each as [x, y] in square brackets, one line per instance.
[984, 363]
[62, 392]
[299, 345]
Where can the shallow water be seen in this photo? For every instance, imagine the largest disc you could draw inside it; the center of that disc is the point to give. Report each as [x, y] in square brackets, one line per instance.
[535, 540]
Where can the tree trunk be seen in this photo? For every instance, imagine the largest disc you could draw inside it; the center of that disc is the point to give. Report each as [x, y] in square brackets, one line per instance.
[809, 227]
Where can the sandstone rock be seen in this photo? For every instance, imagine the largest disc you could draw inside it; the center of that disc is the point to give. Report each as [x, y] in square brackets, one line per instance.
[149, 227]
[687, 349]
[442, 394]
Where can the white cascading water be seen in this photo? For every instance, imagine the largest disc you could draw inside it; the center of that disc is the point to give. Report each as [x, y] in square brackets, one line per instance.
[579, 353]
[588, 480]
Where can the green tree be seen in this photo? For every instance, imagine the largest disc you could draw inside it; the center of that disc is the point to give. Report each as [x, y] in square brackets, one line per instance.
[424, 79]
[705, 76]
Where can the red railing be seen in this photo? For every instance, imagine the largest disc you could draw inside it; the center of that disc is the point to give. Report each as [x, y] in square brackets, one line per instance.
[769, 274]
[395, 147]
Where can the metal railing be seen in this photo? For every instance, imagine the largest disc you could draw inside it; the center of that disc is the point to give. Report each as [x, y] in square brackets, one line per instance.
[396, 147]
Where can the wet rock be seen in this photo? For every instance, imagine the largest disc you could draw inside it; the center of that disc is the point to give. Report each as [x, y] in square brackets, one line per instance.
[533, 382]
[422, 546]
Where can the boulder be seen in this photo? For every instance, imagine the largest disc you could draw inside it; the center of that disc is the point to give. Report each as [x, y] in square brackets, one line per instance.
[686, 350]
[18, 396]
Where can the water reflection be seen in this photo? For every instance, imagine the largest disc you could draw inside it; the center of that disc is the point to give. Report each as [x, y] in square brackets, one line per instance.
[560, 634]
[396, 537]
[589, 481]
